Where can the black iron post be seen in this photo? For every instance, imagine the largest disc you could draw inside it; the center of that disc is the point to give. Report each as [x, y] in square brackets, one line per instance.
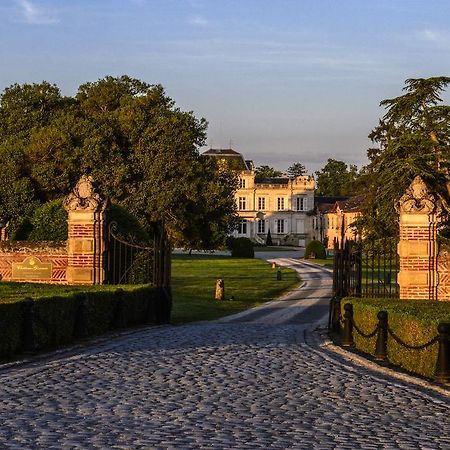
[382, 336]
[81, 317]
[29, 337]
[442, 372]
[347, 339]
[336, 317]
[278, 275]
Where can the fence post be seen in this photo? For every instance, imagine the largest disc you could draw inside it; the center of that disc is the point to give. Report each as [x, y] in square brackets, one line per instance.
[442, 372]
[29, 338]
[382, 336]
[279, 275]
[347, 339]
[81, 317]
[336, 314]
[119, 313]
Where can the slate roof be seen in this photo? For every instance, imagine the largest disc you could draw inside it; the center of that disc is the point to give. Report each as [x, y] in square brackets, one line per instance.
[352, 204]
[234, 160]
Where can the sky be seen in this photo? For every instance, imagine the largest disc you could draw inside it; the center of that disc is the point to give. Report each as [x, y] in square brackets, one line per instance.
[280, 81]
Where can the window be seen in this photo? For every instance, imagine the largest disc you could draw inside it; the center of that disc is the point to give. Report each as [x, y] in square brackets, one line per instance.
[280, 226]
[300, 203]
[242, 229]
[242, 183]
[261, 226]
[280, 203]
[261, 203]
[242, 203]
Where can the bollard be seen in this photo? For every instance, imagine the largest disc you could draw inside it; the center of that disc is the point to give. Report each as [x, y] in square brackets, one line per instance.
[336, 315]
[382, 337]
[347, 339]
[119, 313]
[220, 289]
[80, 330]
[278, 275]
[29, 338]
[442, 372]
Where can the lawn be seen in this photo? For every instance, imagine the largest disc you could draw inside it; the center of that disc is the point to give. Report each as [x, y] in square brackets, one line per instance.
[250, 282]
[321, 262]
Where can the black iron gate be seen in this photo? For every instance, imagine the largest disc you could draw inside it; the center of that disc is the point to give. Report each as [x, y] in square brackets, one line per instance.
[130, 262]
[366, 268]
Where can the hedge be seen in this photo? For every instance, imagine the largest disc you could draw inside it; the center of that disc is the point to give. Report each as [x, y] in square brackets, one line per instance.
[58, 319]
[414, 321]
[317, 249]
[242, 248]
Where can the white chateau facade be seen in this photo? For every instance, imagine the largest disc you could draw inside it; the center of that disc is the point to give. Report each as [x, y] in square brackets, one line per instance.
[282, 205]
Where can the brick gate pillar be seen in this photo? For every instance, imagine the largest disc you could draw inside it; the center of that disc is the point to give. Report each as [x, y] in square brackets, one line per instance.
[418, 250]
[86, 240]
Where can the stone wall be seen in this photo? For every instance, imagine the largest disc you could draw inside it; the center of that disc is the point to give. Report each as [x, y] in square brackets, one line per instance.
[37, 262]
[79, 260]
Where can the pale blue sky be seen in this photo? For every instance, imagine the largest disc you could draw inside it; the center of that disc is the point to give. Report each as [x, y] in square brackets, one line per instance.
[283, 80]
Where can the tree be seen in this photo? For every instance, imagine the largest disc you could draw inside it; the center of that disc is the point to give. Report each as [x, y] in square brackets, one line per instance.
[335, 178]
[413, 139]
[130, 136]
[296, 170]
[267, 172]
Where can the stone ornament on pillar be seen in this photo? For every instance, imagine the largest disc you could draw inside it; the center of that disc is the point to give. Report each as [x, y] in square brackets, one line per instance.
[419, 212]
[86, 209]
[417, 199]
[85, 196]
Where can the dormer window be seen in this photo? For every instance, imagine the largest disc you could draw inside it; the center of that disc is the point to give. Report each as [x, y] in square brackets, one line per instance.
[241, 183]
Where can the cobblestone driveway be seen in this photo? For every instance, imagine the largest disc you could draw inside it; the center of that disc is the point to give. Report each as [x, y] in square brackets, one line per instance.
[221, 385]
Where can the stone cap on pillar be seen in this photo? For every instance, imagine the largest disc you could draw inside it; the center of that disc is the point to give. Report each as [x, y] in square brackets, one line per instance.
[85, 197]
[418, 199]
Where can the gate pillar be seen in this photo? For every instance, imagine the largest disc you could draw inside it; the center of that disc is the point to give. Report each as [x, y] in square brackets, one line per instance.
[417, 248]
[86, 237]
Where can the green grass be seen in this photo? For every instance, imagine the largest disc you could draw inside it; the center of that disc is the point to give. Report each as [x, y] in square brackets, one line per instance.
[320, 262]
[250, 281]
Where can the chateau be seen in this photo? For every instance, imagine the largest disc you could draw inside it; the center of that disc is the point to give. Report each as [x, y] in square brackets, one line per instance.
[282, 205]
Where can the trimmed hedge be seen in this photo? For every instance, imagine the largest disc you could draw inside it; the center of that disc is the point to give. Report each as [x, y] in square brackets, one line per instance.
[317, 249]
[242, 248]
[414, 321]
[56, 319]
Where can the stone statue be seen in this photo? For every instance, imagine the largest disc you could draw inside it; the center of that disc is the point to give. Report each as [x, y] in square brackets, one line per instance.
[85, 196]
[417, 199]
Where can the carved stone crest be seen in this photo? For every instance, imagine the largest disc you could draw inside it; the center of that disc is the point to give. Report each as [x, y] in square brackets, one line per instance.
[85, 196]
[417, 199]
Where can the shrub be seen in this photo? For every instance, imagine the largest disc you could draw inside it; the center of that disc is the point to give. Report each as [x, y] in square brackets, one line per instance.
[55, 317]
[414, 321]
[269, 241]
[49, 222]
[243, 248]
[315, 249]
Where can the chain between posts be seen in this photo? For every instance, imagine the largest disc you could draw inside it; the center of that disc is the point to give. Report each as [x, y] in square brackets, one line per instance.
[412, 347]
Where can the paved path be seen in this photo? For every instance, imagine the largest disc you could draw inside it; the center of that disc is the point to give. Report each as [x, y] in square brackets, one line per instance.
[241, 384]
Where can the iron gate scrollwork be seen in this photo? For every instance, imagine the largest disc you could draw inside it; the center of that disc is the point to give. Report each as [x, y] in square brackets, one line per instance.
[131, 262]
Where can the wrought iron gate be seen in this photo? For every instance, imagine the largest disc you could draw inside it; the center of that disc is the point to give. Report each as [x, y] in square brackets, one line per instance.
[366, 268]
[129, 262]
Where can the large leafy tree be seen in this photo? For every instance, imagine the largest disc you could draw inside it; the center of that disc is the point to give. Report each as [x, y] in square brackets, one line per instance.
[413, 139]
[267, 172]
[335, 178]
[132, 139]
